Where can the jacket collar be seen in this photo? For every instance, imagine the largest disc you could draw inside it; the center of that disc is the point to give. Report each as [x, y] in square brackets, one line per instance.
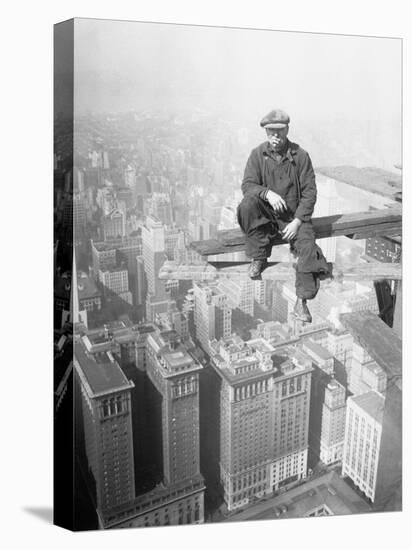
[288, 152]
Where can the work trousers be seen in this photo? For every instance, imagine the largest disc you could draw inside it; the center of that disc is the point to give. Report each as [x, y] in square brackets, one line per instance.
[261, 225]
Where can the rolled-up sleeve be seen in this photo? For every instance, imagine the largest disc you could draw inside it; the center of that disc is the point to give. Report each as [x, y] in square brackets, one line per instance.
[308, 191]
[252, 183]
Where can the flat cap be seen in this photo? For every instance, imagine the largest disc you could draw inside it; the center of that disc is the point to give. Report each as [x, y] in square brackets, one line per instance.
[275, 119]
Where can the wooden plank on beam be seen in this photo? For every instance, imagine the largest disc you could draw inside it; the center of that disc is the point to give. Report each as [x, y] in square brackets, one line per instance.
[380, 341]
[360, 225]
[275, 271]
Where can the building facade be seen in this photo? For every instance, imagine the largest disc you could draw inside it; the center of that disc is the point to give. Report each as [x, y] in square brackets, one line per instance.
[212, 315]
[106, 406]
[363, 434]
[333, 423]
[264, 417]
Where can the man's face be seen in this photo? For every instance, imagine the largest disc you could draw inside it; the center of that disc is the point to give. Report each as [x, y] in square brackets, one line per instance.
[277, 137]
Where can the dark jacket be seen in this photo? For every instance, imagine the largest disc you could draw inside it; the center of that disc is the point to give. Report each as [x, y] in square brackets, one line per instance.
[260, 170]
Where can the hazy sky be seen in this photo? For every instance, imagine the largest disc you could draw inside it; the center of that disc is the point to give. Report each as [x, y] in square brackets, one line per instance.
[317, 79]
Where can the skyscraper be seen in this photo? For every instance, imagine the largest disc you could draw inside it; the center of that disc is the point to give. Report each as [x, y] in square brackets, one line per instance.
[115, 280]
[365, 374]
[363, 434]
[246, 419]
[240, 294]
[114, 224]
[175, 375]
[212, 314]
[333, 423]
[164, 416]
[154, 256]
[264, 415]
[106, 407]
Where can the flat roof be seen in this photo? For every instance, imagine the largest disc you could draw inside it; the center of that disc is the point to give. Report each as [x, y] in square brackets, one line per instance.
[328, 490]
[319, 350]
[372, 403]
[102, 375]
[260, 344]
[179, 358]
[379, 340]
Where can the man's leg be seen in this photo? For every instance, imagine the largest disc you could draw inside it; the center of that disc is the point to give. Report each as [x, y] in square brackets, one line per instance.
[259, 226]
[310, 264]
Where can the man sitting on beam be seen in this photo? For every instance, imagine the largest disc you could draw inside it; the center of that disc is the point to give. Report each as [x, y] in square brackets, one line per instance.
[279, 191]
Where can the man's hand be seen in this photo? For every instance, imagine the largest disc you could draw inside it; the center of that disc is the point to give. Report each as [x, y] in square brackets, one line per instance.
[276, 201]
[291, 230]
[275, 141]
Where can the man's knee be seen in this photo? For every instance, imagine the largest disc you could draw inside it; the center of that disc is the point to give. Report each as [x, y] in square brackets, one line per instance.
[251, 213]
[305, 233]
[249, 203]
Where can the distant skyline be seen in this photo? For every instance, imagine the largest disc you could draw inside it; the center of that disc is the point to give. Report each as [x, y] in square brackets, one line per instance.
[328, 83]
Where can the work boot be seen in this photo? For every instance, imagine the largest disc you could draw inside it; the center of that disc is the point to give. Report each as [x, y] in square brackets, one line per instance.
[301, 311]
[255, 269]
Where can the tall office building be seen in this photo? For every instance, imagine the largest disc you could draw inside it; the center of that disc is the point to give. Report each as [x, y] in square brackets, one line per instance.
[292, 389]
[73, 310]
[333, 423]
[154, 256]
[340, 345]
[174, 239]
[212, 315]
[140, 288]
[240, 294]
[363, 434]
[74, 216]
[161, 208]
[122, 251]
[165, 421]
[103, 257]
[106, 407]
[264, 414]
[260, 292]
[175, 375]
[115, 280]
[129, 175]
[327, 408]
[365, 373]
[246, 419]
[114, 224]
[153, 247]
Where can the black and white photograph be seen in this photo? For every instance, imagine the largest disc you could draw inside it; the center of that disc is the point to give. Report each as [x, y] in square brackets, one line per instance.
[228, 277]
[205, 288]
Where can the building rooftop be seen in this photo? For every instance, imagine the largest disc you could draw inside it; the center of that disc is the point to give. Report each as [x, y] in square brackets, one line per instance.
[116, 269]
[177, 359]
[87, 288]
[119, 332]
[329, 492]
[334, 385]
[172, 354]
[260, 344]
[317, 349]
[372, 403]
[103, 375]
